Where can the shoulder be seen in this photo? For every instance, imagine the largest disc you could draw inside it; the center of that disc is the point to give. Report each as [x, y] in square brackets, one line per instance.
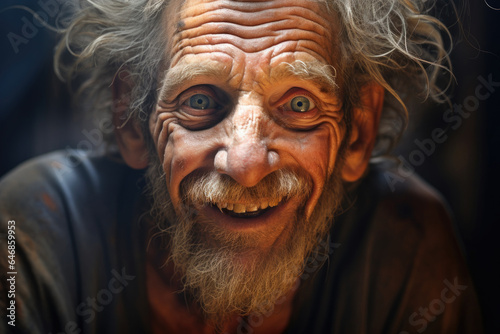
[65, 197]
[58, 169]
[396, 266]
[411, 255]
[49, 183]
[409, 222]
[401, 198]
[63, 206]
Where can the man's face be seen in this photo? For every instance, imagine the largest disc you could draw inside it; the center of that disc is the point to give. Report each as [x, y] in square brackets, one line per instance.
[248, 123]
[231, 102]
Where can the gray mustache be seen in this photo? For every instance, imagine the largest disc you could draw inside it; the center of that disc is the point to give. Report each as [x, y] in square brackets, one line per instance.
[215, 187]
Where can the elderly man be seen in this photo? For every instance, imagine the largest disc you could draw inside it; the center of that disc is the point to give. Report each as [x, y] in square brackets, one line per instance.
[241, 198]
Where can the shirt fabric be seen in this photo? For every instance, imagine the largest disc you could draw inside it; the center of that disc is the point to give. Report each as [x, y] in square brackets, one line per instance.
[393, 264]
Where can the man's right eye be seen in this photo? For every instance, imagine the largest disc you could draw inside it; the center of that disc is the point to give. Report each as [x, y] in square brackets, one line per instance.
[201, 107]
[201, 102]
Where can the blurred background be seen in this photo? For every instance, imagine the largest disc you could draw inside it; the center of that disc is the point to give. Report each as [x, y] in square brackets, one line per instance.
[37, 116]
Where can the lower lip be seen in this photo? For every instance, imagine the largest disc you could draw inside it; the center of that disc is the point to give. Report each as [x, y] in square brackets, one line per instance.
[272, 217]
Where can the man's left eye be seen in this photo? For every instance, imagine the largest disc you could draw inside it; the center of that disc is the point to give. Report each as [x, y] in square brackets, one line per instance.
[301, 104]
[201, 102]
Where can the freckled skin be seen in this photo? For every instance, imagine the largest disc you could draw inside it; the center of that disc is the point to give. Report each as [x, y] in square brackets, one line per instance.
[251, 134]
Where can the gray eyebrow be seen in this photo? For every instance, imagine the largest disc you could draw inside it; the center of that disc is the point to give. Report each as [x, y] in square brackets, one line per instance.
[177, 77]
[321, 74]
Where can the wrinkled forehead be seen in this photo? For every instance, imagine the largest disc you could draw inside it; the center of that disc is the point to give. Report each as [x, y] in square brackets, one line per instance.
[270, 29]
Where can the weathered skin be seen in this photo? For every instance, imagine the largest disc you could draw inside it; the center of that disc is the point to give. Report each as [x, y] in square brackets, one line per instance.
[241, 63]
[239, 55]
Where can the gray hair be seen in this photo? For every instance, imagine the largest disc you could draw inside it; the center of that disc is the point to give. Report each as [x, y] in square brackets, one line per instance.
[392, 42]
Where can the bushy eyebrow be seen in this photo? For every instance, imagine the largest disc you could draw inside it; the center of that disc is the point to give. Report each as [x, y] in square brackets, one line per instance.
[320, 74]
[179, 76]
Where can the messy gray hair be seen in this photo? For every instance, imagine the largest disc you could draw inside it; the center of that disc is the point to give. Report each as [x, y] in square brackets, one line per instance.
[395, 43]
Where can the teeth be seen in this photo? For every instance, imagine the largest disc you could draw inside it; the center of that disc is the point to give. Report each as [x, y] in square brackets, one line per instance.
[239, 208]
[221, 205]
[243, 208]
[274, 202]
[252, 208]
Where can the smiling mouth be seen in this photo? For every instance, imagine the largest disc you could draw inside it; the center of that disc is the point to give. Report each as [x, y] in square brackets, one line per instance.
[252, 210]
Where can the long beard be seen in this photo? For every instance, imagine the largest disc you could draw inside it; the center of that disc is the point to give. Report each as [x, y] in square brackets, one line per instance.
[209, 258]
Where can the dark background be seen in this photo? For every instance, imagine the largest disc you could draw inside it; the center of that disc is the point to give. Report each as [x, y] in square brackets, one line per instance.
[36, 117]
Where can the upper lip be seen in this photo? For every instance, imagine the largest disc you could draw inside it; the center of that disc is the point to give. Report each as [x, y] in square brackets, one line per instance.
[247, 207]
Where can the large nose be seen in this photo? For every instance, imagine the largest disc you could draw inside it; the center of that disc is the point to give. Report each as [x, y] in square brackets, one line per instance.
[246, 157]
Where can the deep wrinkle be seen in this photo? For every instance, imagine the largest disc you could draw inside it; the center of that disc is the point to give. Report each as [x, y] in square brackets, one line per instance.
[247, 79]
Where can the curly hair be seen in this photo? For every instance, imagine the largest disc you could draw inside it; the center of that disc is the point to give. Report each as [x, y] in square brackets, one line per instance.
[395, 43]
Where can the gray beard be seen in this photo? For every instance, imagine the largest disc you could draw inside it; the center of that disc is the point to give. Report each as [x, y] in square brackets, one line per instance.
[207, 256]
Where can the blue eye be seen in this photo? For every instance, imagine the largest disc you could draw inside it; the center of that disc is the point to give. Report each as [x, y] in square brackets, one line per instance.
[201, 102]
[301, 104]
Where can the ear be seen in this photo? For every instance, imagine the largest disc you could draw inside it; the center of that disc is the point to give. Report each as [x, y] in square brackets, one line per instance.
[365, 122]
[128, 132]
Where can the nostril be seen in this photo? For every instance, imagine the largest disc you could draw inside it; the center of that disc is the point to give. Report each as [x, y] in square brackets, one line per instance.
[246, 162]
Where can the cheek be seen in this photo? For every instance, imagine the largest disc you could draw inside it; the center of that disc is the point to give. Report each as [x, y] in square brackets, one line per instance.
[185, 152]
[316, 153]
